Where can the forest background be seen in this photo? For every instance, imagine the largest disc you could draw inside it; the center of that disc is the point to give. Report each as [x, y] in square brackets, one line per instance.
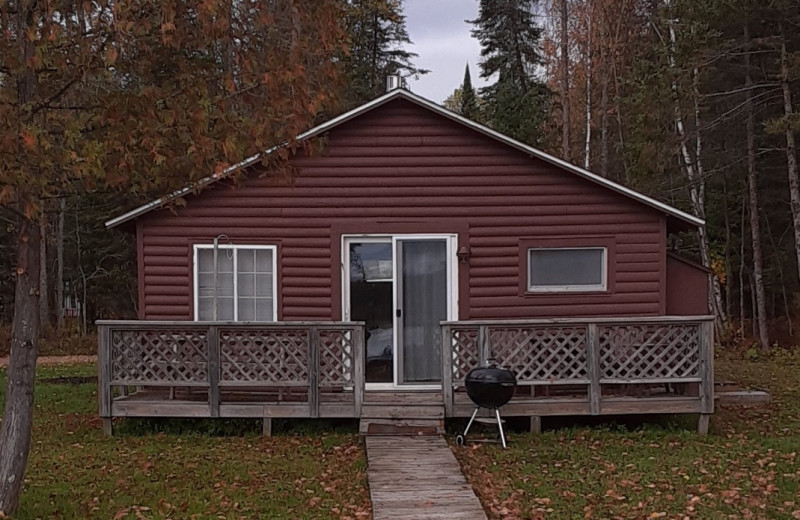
[690, 102]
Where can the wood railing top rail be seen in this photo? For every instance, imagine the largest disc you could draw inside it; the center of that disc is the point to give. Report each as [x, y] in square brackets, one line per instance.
[237, 324]
[585, 320]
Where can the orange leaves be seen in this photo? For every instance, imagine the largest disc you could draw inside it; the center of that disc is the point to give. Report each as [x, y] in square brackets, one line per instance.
[28, 139]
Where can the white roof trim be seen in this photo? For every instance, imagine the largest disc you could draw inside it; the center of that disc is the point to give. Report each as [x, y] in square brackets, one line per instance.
[669, 210]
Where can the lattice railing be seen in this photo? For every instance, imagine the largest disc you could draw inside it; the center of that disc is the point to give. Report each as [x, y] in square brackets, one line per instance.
[649, 352]
[159, 357]
[336, 358]
[537, 353]
[309, 355]
[582, 351]
[264, 356]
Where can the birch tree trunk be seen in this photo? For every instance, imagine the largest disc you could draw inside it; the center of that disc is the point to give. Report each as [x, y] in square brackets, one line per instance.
[791, 156]
[752, 192]
[565, 138]
[693, 166]
[587, 149]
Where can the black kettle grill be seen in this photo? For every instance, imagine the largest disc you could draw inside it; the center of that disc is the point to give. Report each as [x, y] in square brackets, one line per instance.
[489, 387]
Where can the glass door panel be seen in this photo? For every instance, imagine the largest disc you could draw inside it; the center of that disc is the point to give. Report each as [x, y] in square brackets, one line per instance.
[371, 275]
[422, 295]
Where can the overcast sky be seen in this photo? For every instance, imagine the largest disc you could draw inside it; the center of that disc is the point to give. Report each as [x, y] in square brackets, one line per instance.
[442, 39]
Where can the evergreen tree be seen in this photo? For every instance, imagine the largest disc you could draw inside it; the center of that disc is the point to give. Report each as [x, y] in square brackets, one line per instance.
[378, 35]
[516, 104]
[469, 99]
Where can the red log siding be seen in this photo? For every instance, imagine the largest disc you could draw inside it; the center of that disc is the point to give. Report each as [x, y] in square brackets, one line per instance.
[402, 169]
[687, 291]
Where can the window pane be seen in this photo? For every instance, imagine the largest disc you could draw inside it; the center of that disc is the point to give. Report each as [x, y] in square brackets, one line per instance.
[225, 309]
[247, 309]
[247, 284]
[566, 267]
[205, 260]
[246, 260]
[224, 284]
[264, 309]
[263, 260]
[263, 285]
[205, 309]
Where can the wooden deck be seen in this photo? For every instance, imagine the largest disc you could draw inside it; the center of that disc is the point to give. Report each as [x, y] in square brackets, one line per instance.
[573, 366]
[416, 478]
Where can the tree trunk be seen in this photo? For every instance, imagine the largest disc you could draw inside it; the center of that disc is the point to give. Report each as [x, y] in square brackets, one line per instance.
[695, 175]
[791, 157]
[604, 121]
[15, 434]
[44, 298]
[728, 240]
[587, 150]
[752, 191]
[59, 306]
[565, 148]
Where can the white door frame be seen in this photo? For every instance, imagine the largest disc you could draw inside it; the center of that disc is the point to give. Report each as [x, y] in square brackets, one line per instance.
[452, 293]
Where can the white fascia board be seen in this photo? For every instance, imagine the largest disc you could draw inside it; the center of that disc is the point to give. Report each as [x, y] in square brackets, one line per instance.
[320, 129]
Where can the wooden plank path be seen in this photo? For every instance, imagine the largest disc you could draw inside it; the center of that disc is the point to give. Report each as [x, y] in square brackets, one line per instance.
[415, 478]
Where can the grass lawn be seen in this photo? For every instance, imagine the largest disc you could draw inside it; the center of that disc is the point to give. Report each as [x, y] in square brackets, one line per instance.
[76, 472]
[748, 467]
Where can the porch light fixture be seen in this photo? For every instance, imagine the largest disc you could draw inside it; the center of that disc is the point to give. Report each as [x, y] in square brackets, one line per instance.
[463, 254]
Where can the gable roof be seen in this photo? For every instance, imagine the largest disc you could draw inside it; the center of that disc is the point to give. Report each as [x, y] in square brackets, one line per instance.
[683, 218]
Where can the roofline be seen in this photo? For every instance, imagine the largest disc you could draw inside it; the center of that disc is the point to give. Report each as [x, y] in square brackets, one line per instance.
[402, 93]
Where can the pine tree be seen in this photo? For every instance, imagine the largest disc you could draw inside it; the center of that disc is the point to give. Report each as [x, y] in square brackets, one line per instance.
[377, 36]
[469, 99]
[516, 104]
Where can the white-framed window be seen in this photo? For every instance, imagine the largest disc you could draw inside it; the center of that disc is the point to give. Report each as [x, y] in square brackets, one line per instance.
[567, 269]
[246, 283]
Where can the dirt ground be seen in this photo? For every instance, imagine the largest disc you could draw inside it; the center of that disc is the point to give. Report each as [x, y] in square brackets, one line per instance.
[56, 360]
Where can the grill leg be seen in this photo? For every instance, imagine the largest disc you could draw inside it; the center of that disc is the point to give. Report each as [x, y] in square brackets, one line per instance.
[471, 419]
[500, 427]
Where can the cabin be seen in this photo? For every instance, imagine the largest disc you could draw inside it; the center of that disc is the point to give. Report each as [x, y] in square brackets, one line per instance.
[417, 246]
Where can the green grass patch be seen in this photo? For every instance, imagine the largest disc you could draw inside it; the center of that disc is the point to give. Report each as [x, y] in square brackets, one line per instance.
[748, 467]
[180, 469]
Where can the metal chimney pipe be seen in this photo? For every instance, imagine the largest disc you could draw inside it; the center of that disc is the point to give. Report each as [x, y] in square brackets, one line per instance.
[393, 82]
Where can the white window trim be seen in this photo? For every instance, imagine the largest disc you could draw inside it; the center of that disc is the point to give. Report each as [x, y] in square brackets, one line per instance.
[569, 288]
[224, 247]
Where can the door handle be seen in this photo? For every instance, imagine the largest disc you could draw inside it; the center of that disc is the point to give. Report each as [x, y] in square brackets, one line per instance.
[398, 313]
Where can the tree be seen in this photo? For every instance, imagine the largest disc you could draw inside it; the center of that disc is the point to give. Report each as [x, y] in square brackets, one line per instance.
[140, 97]
[377, 35]
[469, 99]
[516, 103]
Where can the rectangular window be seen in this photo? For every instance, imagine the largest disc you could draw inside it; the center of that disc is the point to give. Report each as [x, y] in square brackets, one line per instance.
[245, 287]
[569, 269]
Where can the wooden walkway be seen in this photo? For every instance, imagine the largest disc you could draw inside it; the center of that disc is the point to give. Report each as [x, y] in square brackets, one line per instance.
[415, 478]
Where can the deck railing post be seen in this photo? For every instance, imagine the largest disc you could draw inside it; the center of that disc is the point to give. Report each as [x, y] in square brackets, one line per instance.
[483, 345]
[213, 367]
[706, 344]
[313, 371]
[358, 368]
[447, 369]
[593, 362]
[104, 396]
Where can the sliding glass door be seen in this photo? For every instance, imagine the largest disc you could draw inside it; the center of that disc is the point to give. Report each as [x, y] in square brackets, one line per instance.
[402, 288]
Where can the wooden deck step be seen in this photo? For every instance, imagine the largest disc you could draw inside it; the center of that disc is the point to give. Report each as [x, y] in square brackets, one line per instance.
[409, 427]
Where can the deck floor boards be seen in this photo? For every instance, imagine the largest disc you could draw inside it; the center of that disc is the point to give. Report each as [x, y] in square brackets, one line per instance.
[414, 478]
